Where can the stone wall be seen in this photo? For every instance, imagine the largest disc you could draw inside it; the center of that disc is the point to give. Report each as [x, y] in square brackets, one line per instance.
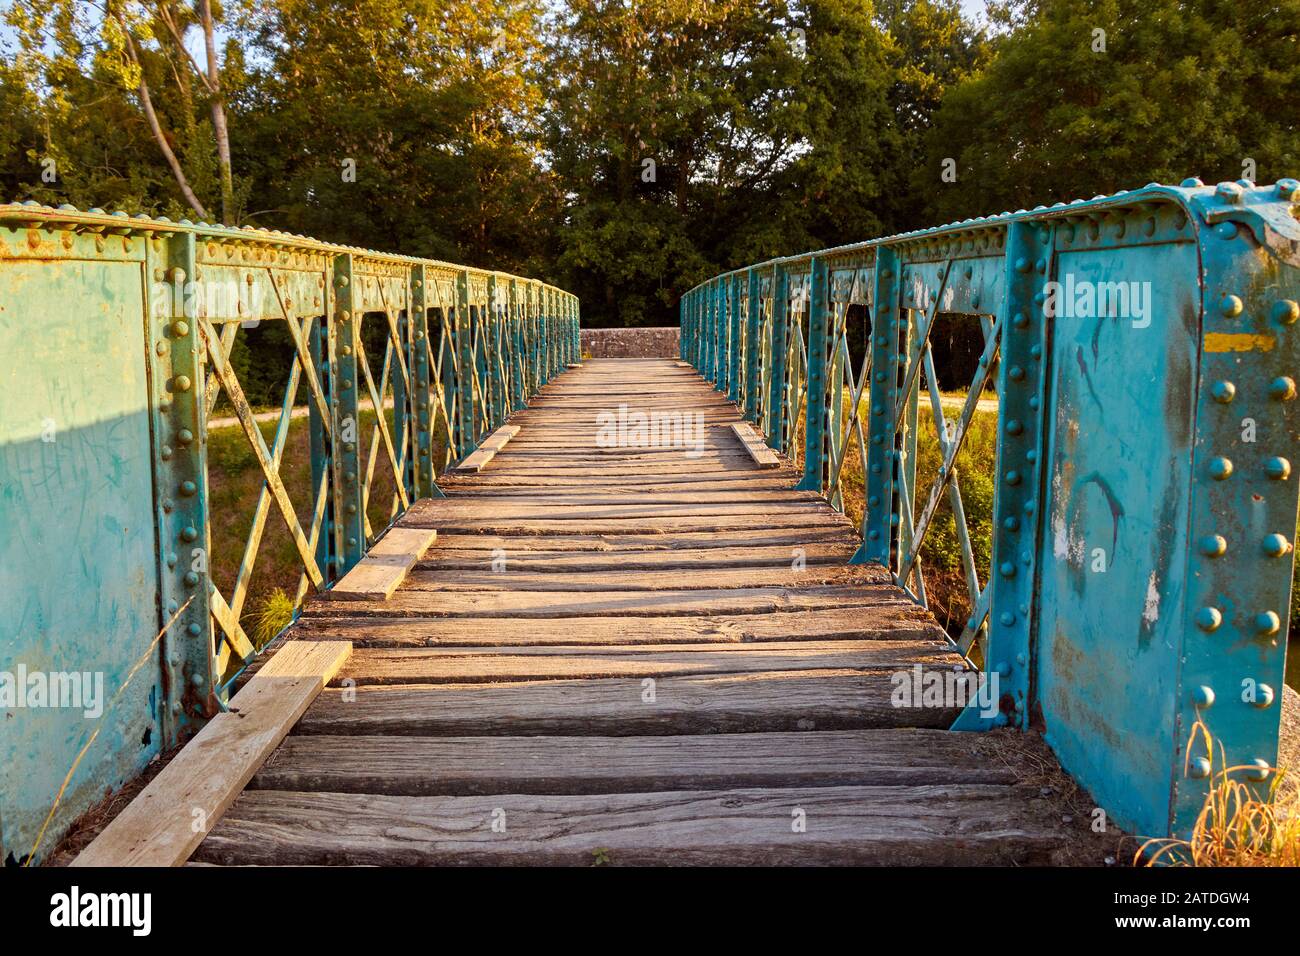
[630, 343]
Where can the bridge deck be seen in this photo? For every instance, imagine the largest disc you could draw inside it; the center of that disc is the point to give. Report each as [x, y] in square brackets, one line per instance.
[614, 654]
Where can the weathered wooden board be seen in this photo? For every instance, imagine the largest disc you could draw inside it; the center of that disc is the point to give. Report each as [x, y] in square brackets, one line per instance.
[428, 665]
[428, 766]
[385, 565]
[890, 826]
[158, 827]
[895, 620]
[487, 450]
[618, 707]
[757, 449]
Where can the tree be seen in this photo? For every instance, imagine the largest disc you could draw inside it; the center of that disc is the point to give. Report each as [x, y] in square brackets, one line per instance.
[136, 46]
[1092, 96]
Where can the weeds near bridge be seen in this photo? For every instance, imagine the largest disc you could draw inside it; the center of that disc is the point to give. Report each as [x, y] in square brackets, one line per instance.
[1237, 825]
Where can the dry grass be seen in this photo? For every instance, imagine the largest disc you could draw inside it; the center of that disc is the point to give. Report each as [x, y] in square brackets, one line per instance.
[1238, 825]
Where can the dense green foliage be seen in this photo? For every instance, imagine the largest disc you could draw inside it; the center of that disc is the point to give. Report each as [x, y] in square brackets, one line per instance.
[628, 148]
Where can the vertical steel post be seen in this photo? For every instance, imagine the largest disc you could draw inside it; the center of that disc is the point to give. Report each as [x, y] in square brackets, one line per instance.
[814, 446]
[887, 344]
[422, 401]
[349, 520]
[753, 349]
[467, 438]
[776, 423]
[176, 366]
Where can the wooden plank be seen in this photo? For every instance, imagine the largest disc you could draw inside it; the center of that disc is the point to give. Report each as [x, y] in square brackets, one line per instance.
[385, 566]
[706, 704]
[487, 450]
[158, 827]
[764, 457]
[514, 578]
[680, 559]
[422, 595]
[898, 619]
[481, 665]
[893, 826]
[451, 766]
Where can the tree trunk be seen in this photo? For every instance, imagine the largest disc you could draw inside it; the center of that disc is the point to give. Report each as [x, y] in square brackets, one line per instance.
[219, 129]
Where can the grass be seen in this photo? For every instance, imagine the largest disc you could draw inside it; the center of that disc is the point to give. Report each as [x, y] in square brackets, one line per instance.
[1237, 825]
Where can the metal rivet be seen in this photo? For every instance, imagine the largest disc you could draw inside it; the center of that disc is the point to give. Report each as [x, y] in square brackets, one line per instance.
[1286, 311]
[1276, 545]
[1228, 192]
[1208, 619]
[1013, 477]
[1267, 622]
[188, 488]
[1203, 696]
[1022, 264]
[166, 453]
[1007, 619]
[191, 578]
[1230, 306]
[1264, 696]
[1223, 392]
[1016, 373]
[1008, 569]
[1199, 768]
[1282, 388]
[181, 383]
[1012, 523]
[185, 436]
[1279, 469]
[1014, 427]
[1259, 770]
[1213, 545]
[195, 629]
[189, 534]
[1220, 468]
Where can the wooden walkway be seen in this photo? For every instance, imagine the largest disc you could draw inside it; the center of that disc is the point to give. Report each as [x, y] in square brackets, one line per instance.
[631, 655]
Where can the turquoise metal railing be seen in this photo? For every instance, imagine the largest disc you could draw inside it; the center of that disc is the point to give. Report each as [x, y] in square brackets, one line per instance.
[116, 340]
[1141, 349]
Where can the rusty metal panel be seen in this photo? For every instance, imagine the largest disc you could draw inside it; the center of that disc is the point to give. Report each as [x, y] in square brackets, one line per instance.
[1114, 535]
[78, 575]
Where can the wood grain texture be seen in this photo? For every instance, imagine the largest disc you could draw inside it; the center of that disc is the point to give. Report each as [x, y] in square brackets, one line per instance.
[385, 566]
[885, 826]
[158, 827]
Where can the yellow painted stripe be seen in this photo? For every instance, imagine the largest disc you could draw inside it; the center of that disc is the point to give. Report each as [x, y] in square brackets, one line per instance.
[1238, 342]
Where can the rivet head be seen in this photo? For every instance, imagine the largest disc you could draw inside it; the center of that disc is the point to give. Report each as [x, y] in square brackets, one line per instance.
[1259, 770]
[1286, 311]
[181, 383]
[1007, 569]
[189, 534]
[1223, 392]
[1007, 619]
[1016, 373]
[1014, 427]
[1230, 306]
[195, 629]
[1282, 388]
[1276, 545]
[178, 275]
[1213, 545]
[1022, 264]
[1220, 468]
[191, 578]
[1203, 696]
[1279, 469]
[1264, 696]
[1198, 768]
[1013, 477]
[185, 436]
[1267, 622]
[180, 328]
[1012, 523]
[188, 488]
[1208, 619]
[1287, 188]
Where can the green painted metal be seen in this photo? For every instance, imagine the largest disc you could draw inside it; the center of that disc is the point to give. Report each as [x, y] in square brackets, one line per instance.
[116, 334]
[1156, 446]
